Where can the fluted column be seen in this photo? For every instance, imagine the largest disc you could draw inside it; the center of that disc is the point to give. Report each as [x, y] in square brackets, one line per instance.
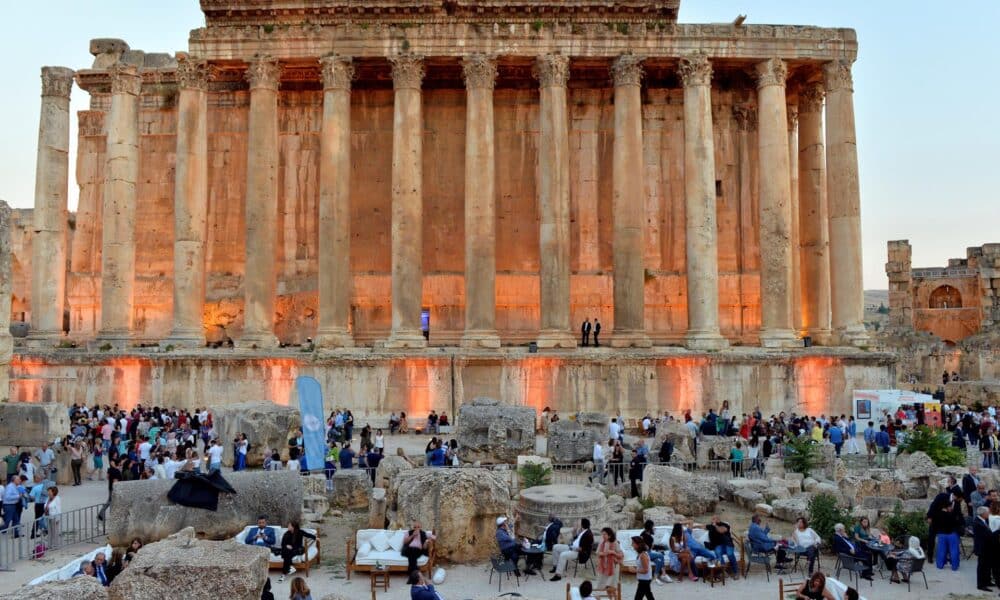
[260, 270]
[335, 206]
[190, 202]
[813, 219]
[792, 111]
[844, 198]
[480, 204]
[407, 203]
[552, 71]
[6, 288]
[701, 233]
[775, 207]
[48, 246]
[628, 206]
[121, 172]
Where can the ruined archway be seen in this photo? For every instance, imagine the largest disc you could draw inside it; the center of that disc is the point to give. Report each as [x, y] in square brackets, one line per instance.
[945, 296]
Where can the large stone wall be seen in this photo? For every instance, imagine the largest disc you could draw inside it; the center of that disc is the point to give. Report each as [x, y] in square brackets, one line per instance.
[373, 384]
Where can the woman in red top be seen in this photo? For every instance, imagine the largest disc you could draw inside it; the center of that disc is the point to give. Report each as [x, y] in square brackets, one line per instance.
[609, 559]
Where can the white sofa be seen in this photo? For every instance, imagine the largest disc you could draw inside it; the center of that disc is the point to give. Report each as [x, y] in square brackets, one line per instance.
[371, 547]
[661, 535]
[302, 562]
[69, 569]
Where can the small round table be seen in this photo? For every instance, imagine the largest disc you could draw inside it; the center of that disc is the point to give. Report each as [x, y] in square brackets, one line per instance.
[533, 557]
[379, 577]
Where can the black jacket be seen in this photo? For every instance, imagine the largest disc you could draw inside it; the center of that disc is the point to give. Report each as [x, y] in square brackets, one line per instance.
[295, 539]
[968, 486]
[552, 534]
[983, 540]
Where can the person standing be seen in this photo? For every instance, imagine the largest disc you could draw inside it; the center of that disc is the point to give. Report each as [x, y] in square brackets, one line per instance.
[215, 456]
[598, 462]
[76, 461]
[12, 505]
[597, 332]
[643, 570]
[45, 456]
[946, 519]
[984, 547]
[609, 559]
[635, 469]
[585, 332]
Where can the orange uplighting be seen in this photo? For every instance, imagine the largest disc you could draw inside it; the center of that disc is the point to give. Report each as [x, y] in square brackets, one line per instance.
[684, 389]
[813, 383]
[127, 388]
[418, 396]
[537, 392]
[26, 381]
[279, 376]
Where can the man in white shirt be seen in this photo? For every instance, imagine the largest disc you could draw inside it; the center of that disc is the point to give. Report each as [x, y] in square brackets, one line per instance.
[613, 429]
[144, 449]
[580, 550]
[598, 458]
[215, 456]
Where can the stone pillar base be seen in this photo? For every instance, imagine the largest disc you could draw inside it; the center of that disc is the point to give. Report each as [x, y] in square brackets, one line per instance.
[705, 340]
[853, 335]
[43, 339]
[406, 339]
[630, 339]
[181, 338]
[334, 338]
[476, 338]
[555, 338]
[779, 338]
[257, 341]
[118, 340]
[820, 337]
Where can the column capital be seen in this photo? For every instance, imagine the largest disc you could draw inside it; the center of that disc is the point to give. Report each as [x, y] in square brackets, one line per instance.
[125, 79]
[695, 69]
[407, 71]
[773, 71]
[811, 97]
[192, 73]
[792, 111]
[337, 71]
[837, 76]
[264, 72]
[57, 81]
[627, 70]
[551, 70]
[480, 72]
[745, 116]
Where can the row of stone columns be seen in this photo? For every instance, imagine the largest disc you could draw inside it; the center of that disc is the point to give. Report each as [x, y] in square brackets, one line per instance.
[827, 190]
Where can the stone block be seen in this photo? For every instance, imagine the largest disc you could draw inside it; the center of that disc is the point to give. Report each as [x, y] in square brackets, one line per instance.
[77, 588]
[352, 488]
[377, 509]
[764, 509]
[791, 509]
[660, 515]
[30, 424]
[266, 424]
[489, 431]
[573, 440]
[879, 503]
[680, 490]
[388, 468]
[748, 498]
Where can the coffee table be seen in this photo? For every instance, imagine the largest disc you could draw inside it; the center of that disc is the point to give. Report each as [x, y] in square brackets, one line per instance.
[379, 577]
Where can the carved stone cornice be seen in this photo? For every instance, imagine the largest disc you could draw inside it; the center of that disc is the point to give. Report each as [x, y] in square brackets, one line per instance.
[695, 69]
[125, 79]
[407, 71]
[337, 72]
[551, 70]
[90, 122]
[264, 72]
[57, 81]
[811, 97]
[837, 76]
[192, 73]
[792, 111]
[627, 70]
[771, 72]
[745, 116]
[480, 72]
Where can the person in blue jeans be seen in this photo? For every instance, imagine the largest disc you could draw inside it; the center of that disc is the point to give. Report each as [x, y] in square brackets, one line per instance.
[947, 521]
[697, 548]
[720, 538]
[837, 438]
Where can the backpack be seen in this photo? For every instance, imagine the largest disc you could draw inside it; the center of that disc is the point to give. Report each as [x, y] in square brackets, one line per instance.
[39, 551]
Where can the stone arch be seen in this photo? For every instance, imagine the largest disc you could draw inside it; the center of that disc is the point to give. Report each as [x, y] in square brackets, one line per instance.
[945, 296]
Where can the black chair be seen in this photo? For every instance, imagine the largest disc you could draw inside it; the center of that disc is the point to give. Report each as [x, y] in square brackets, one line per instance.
[589, 561]
[500, 565]
[756, 556]
[908, 568]
[804, 557]
[854, 566]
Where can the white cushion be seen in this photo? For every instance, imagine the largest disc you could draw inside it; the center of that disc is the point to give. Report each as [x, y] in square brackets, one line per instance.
[380, 542]
[365, 549]
[396, 540]
[574, 593]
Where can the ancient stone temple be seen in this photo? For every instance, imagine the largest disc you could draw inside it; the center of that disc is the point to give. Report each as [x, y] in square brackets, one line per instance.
[469, 175]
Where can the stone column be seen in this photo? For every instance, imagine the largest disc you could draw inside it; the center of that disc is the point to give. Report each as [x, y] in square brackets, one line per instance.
[190, 203]
[813, 220]
[121, 171]
[701, 234]
[775, 207]
[552, 71]
[48, 247]
[407, 203]
[335, 281]
[260, 271]
[792, 111]
[845, 206]
[628, 206]
[480, 205]
[6, 288]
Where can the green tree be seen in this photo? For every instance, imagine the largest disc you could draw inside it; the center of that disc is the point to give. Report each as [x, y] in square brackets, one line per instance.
[935, 444]
[824, 514]
[801, 455]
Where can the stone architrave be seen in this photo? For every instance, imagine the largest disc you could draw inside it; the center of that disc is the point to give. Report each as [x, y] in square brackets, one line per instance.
[628, 206]
[335, 206]
[260, 271]
[844, 197]
[813, 216]
[480, 204]
[552, 72]
[775, 207]
[190, 202]
[6, 285]
[407, 203]
[48, 247]
[701, 234]
[121, 173]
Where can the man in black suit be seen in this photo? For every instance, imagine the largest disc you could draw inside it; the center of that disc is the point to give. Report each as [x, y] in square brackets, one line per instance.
[585, 332]
[969, 484]
[844, 545]
[597, 332]
[984, 546]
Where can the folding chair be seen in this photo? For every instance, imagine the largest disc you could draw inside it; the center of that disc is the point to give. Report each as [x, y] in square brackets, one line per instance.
[854, 566]
[589, 561]
[759, 557]
[908, 568]
[500, 565]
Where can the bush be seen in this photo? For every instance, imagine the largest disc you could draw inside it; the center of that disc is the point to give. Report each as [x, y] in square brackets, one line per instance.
[936, 444]
[534, 474]
[824, 514]
[801, 455]
[903, 525]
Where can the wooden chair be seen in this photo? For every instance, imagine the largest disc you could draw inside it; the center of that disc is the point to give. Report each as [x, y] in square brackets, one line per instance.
[789, 591]
[353, 566]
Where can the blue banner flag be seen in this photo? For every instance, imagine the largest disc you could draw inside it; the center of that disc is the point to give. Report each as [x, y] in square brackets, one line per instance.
[313, 424]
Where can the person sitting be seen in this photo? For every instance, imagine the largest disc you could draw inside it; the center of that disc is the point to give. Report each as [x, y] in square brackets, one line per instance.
[580, 549]
[550, 537]
[509, 547]
[261, 535]
[863, 531]
[681, 557]
[805, 541]
[416, 543]
[292, 545]
[346, 457]
[843, 545]
[697, 548]
[587, 591]
[100, 565]
[903, 556]
[86, 569]
[420, 588]
[814, 588]
[720, 538]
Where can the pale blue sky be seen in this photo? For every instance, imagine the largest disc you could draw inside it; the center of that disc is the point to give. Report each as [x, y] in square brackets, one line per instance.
[926, 91]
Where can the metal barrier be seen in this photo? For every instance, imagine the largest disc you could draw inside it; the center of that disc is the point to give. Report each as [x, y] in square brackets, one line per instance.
[34, 536]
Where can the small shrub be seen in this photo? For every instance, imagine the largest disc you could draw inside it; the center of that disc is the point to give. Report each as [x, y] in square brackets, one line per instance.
[622, 28]
[536, 25]
[105, 347]
[903, 525]
[824, 514]
[801, 455]
[169, 348]
[269, 28]
[534, 474]
[647, 502]
[936, 444]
